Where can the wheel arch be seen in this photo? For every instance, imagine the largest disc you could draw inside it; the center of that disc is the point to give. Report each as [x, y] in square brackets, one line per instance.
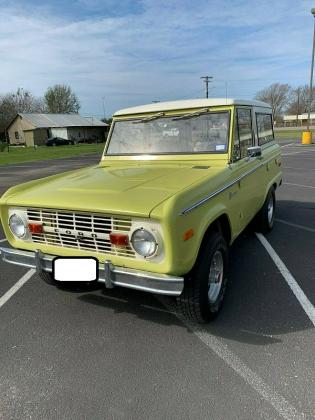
[220, 224]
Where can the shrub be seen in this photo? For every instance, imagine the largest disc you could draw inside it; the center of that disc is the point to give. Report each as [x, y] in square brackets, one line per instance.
[3, 146]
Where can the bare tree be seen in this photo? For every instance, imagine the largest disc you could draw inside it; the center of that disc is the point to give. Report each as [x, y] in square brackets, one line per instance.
[300, 100]
[13, 103]
[60, 99]
[277, 95]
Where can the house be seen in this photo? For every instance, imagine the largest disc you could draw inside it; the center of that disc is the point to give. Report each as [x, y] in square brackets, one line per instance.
[35, 129]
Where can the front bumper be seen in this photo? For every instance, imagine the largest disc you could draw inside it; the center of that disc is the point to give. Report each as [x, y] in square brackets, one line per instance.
[108, 273]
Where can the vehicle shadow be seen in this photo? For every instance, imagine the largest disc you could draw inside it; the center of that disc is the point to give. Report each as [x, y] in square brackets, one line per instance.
[259, 305]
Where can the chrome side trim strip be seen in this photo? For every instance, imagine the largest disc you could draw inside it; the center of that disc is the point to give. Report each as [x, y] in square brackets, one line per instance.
[225, 187]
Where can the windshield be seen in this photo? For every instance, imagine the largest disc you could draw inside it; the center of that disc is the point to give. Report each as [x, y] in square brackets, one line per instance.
[206, 133]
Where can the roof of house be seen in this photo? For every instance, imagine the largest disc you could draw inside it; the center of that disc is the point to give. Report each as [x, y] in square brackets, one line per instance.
[188, 104]
[62, 120]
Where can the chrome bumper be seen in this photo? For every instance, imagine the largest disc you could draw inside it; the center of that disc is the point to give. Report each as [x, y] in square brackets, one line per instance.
[108, 273]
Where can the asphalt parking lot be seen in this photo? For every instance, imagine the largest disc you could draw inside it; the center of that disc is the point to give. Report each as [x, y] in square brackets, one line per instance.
[121, 354]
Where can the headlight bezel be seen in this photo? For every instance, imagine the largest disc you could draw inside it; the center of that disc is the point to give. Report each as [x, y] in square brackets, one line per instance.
[23, 222]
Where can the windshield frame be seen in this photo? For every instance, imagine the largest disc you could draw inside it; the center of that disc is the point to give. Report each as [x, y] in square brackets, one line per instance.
[135, 118]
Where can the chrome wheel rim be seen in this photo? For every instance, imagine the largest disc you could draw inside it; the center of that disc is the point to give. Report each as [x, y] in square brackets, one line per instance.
[270, 211]
[215, 279]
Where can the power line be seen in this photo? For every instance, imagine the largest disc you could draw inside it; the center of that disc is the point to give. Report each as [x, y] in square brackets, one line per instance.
[207, 80]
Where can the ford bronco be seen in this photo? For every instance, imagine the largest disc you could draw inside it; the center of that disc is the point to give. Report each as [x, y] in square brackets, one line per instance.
[177, 183]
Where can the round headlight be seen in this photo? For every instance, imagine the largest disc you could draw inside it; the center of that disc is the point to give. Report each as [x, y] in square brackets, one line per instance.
[17, 225]
[144, 242]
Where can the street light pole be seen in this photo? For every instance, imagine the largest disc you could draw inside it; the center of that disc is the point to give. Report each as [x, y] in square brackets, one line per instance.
[307, 134]
[311, 79]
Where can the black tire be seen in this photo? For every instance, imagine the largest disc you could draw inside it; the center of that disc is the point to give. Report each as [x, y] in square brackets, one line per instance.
[264, 220]
[194, 302]
[47, 278]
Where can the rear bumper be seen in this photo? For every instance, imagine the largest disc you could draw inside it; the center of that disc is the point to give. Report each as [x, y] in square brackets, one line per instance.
[108, 273]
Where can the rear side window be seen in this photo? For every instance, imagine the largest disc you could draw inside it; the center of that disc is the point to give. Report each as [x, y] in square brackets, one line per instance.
[264, 128]
[243, 137]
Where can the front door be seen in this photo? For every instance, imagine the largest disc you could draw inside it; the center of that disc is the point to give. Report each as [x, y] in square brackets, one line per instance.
[244, 192]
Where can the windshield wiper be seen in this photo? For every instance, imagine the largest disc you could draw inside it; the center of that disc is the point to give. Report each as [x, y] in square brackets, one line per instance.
[192, 114]
[153, 117]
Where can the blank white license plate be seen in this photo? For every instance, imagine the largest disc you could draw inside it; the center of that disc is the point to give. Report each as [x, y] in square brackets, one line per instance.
[75, 269]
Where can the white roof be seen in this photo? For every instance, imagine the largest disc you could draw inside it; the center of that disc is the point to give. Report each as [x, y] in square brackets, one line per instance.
[62, 120]
[188, 104]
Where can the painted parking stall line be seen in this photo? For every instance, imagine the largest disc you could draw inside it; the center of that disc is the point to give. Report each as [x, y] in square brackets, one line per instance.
[298, 169]
[287, 145]
[277, 401]
[298, 185]
[307, 306]
[2, 240]
[295, 225]
[16, 287]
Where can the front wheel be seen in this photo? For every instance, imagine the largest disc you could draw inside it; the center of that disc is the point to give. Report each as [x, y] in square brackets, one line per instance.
[205, 286]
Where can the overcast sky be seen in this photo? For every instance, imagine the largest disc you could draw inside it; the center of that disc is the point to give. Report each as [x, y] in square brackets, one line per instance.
[136, 51]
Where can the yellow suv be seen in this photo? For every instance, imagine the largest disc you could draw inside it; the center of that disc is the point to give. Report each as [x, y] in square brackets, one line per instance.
[177, 183]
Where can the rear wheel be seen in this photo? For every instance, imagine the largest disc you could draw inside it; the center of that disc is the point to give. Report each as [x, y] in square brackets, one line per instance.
[265, 217]
[205, 286]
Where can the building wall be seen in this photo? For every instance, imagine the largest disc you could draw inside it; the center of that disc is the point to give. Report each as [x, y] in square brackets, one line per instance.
[18, 126]
[29, 137]
[59, 132]
[86, 133]
[40, 136]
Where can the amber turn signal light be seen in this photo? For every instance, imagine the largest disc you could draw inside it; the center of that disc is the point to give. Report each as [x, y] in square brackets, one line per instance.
[35, 228]
[188, 234]
[119, 239]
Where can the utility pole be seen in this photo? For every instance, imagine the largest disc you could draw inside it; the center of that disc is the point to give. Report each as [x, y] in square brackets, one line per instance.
[103, 102]
[207, 80]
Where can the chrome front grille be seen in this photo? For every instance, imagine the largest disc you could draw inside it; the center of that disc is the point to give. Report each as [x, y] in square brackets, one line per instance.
[79, 230]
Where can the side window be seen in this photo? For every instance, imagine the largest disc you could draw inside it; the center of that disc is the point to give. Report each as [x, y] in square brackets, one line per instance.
[264, 128]
[16, 134]
[243, 137]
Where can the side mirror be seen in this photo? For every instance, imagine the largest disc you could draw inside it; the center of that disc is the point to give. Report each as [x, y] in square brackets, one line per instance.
[254, 151]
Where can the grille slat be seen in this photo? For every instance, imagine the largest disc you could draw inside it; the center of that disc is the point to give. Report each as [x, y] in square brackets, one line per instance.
[88, 224]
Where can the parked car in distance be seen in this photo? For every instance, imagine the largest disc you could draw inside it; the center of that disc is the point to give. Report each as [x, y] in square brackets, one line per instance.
[58, 141]
[177, 184]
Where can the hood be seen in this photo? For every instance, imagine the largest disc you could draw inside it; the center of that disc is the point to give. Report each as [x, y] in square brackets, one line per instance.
[133, 190]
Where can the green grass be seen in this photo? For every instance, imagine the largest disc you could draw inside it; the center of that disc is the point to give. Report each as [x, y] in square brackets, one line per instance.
[27, 154]
[291, 134]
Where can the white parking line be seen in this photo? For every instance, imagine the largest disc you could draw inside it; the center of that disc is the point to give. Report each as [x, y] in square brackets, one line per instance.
[298, 169]
[307, 306]
[16, 287]
[297, 153]
[286, 145]
[299, 185]
[2, 240]
[307, 229]
[279, 403]
[155, 308]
